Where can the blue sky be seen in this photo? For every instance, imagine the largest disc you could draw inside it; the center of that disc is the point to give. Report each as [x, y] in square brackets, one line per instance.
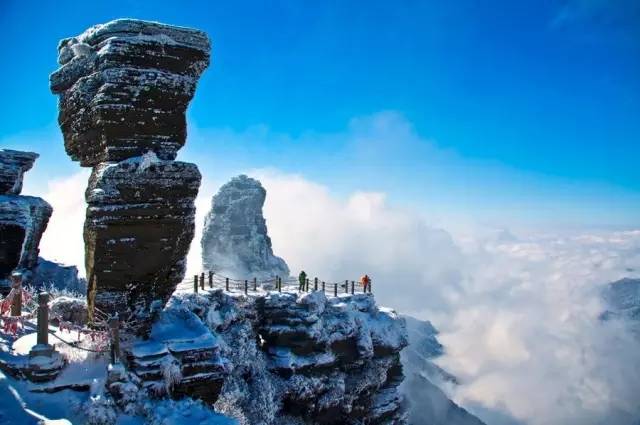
[523, 111]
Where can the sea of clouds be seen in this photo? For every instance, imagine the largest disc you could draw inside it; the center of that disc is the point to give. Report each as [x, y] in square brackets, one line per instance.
[518, 314]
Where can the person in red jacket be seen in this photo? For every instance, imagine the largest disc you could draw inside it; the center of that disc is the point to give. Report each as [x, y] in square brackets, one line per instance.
[366, 282]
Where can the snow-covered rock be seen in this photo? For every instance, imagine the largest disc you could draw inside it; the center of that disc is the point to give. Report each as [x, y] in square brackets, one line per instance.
[622, 301]
[428, 404]
[49, 274]
[23, 219]
[13, 165]
[124, 87]
[69, 309]
[235, 239]
[140, 223]
[284, 358]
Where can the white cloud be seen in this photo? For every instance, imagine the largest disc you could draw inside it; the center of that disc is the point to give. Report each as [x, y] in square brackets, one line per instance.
[62, 241]
[519, 316]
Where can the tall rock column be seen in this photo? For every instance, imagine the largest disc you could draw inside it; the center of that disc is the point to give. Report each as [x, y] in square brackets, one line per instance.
[124, 88]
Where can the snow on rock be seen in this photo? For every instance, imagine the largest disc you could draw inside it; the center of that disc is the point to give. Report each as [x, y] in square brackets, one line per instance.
[62, 277]
[289, 358]
[140, 223]
[23, 219]
[622, 300]
[13, 165]
[428, 404]
[69, 309]
[235, 239]
[124, 87]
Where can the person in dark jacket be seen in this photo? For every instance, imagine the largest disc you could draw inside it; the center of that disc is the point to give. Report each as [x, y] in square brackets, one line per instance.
[302, 278]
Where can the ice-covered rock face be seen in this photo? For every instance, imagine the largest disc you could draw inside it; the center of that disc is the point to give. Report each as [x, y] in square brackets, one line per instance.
[280, 358]
[13, 164]
[235, 239]
[428, 403]
[124, 88]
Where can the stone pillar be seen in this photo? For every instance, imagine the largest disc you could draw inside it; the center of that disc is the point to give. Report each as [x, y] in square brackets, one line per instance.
[123, 88]
[42, 348]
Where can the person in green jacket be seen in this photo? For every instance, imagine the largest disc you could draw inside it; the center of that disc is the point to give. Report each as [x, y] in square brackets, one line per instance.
[302, 278]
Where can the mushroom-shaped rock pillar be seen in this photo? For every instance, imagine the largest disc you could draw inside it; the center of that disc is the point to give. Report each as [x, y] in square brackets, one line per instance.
[124, 88]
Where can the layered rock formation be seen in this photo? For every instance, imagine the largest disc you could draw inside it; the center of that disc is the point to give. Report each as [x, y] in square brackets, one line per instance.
[279, 358]
[23, 219]
[13, 165]
[235, 239]
[124, 88]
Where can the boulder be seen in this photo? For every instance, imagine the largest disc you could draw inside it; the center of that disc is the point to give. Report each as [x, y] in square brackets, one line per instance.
[13, 164]
[124, 88]
[69, 309]
[235, 239]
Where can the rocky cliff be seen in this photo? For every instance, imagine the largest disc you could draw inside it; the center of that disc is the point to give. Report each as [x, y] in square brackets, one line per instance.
[424, 380]
[23, 219]
[278, 358]
[123, 88]
[235, 239]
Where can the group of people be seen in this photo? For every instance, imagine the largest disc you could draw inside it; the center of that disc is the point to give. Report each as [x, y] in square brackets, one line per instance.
[365, 281]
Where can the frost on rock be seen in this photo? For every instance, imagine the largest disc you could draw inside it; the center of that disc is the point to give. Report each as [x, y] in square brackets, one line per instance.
[124, 88]
[13, 165]
[235, 239]
[428, 404]
[23, 219]
[56, 276]
[289, 359]
[139, 225]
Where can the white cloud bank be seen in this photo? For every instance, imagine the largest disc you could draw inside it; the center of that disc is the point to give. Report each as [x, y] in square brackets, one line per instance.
[518, 315]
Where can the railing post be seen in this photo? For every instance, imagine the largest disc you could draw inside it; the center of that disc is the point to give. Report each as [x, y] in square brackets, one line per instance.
[307, 286]
[353, 287]
[315, 284]
[202, 281]
[16, 303]
[210, 279]
[370, 286]
[323, 286]
[114, 325]
[195, 283]
[279, 284]
[346, 286]
[43, 318]
[255, 284]
[226, 284]
[335, 289]
[246, 286]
